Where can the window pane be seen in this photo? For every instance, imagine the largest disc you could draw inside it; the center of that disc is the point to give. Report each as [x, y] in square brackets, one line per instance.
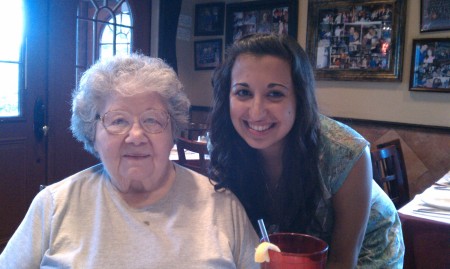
[11, 27]
[119, 29]
[9, 97]
[120, 32]
[104, 29]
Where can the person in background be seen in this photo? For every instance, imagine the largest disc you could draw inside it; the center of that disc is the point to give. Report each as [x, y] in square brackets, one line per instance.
[295, 168]
[367, 39]
[136, 209]
[429, 57]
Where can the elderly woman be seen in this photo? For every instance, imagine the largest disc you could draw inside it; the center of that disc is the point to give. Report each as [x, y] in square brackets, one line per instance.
[136, 209]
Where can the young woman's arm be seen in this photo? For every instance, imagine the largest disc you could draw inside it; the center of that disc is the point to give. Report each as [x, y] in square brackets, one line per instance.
[351, 205]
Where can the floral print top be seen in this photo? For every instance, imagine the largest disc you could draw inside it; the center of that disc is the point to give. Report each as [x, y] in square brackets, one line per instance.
[341, 147]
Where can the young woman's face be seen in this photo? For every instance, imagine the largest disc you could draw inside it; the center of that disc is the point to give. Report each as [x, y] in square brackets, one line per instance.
[262, 101]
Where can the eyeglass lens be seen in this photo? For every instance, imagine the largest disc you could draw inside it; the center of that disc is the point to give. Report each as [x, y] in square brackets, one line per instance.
[119, 122]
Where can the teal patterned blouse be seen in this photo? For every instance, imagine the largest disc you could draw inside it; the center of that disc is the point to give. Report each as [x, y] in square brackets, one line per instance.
[383, 245]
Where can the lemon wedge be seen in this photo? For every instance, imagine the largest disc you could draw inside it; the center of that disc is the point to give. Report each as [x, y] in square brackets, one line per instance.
[262, 252]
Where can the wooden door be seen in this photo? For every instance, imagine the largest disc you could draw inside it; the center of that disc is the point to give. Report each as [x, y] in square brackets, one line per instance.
[28, 157]
[65, 155]
[22, 152]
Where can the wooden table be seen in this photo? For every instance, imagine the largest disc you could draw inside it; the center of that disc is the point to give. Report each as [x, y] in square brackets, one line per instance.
[426, 236]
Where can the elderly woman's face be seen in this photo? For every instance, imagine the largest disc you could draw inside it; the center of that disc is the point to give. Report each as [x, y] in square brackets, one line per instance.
[137, 161]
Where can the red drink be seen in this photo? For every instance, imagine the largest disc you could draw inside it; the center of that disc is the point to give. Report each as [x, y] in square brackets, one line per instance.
[297, 251]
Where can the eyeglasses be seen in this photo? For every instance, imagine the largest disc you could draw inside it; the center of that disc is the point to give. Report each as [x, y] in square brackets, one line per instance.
[153, 121]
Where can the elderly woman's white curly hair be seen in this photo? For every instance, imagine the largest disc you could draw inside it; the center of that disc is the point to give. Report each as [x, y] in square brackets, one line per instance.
[125, 75]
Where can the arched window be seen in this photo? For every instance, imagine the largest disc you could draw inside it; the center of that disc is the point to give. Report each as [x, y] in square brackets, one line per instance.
[104, 29]
[116, 40]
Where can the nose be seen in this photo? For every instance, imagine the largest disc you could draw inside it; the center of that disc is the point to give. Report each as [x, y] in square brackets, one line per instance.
[257, 109]
[136, 135]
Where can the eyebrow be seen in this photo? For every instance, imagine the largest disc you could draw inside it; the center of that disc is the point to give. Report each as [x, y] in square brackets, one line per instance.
[239, 84]
[271, 85]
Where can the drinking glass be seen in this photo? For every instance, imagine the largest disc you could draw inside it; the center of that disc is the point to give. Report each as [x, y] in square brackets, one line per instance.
[297, 251]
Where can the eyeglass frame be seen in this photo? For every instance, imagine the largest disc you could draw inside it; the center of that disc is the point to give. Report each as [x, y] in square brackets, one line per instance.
[102, 119]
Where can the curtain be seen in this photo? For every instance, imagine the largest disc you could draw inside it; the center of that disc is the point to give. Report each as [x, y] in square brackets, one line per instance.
[168, 24]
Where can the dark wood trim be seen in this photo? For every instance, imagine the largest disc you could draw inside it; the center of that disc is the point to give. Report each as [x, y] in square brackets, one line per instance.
[393, 124]
[200, 108]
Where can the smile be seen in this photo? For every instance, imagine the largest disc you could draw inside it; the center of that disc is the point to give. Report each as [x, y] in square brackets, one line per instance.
[260, 128]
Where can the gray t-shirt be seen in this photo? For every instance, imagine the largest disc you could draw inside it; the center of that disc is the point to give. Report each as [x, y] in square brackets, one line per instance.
[82, 222]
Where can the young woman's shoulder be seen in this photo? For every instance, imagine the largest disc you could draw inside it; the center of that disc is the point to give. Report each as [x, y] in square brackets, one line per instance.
[340, 148]
[337, 134]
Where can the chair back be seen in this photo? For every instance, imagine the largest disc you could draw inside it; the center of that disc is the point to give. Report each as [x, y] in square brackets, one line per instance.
[387, 172]
[198, 122]
[195, 130]
[199, 164]
[398, 145]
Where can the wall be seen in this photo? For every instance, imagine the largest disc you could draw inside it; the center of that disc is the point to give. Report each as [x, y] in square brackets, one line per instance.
[154, 29]
[382, 101]
[426, 150]
[197, 83]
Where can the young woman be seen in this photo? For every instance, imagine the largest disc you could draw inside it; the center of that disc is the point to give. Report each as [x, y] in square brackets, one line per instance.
[288, 164]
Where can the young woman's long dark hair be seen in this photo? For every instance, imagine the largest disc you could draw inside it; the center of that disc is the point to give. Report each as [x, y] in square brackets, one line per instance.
[238, 167]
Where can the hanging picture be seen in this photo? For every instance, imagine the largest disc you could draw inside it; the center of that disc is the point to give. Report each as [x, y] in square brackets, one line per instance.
[434, 15]
[261, 17]
[356, 40]
[207, 54]
[430, 65]
[209, 19]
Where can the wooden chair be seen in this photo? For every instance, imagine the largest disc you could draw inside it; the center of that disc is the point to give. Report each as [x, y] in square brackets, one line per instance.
[198, 122]
[195, 130]
[199, 165]
[387, 172]
[397, 144]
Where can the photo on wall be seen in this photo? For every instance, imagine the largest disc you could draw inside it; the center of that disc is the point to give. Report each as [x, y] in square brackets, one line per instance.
[207, 54]
[261, 17]
[209, 19]
[357, 37]
[430, 65]
[357, 40]
[434, 15]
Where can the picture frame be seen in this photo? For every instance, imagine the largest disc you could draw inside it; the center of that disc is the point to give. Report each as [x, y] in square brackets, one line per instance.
[207, 54]
[209, 19]
[434, 15]
[430, 65]
[356, 40]
[250, 17]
